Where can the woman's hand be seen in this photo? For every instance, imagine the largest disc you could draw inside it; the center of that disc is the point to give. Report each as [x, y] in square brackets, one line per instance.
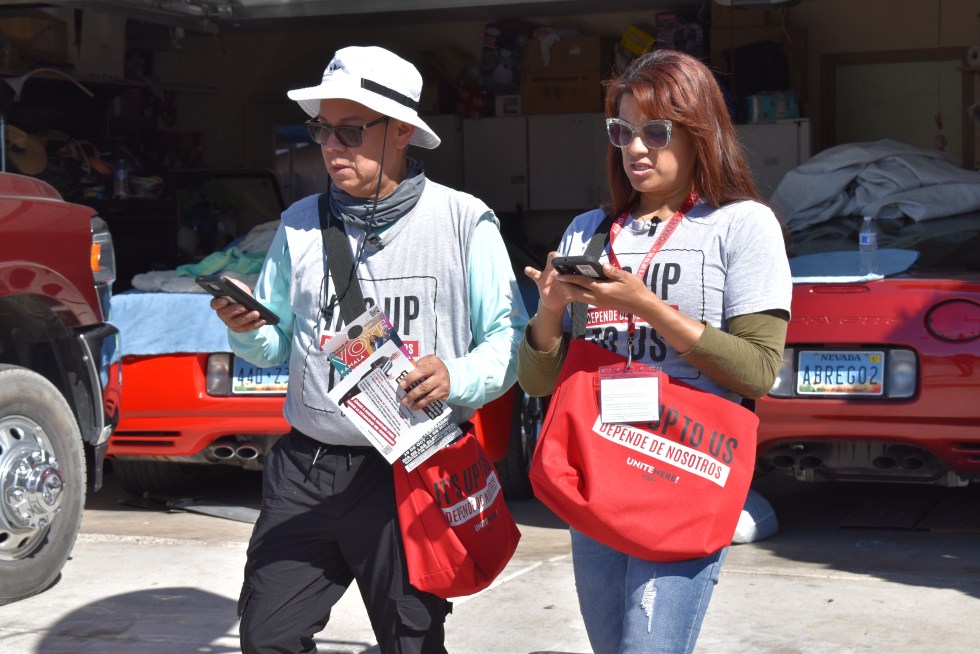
[622, 290]
[553, 295]
[625, 292]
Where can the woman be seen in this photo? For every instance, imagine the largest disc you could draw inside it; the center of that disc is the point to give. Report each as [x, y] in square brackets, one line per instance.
[709, 305]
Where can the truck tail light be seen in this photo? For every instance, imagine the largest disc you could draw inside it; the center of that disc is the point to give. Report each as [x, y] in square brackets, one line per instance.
[103, 257]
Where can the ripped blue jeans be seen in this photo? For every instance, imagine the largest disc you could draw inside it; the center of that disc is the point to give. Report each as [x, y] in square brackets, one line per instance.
[631, 606]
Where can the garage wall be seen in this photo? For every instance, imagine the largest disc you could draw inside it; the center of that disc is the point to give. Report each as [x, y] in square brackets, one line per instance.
[267, 65]
[846, 26]
[252, 71]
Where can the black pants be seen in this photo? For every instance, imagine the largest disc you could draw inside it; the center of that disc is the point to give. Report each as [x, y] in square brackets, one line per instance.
[328, 517]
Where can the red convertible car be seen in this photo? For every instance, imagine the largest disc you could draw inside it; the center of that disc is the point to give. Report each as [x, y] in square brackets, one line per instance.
[880, 379]
[184, 412]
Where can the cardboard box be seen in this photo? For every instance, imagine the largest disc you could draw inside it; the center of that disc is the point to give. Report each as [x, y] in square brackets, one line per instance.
[35, 40]
[561, 93]
[567, 76]
[722, 16]
[578, 54]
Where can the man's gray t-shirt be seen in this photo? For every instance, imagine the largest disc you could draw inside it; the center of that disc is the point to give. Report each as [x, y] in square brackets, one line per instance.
[419, 280]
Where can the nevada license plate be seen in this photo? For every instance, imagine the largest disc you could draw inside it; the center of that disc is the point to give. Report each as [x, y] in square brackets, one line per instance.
[248, 379]
[840, 372]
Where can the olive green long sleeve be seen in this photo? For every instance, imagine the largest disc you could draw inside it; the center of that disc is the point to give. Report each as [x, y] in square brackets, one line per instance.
[540, 369]
[746, 359]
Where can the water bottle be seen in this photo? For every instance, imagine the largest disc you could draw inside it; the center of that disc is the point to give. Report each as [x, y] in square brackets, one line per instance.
[868, 247]
[120, 188]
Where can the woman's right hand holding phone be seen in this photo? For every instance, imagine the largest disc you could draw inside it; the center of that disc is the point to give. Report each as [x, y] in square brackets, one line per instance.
[544, 333]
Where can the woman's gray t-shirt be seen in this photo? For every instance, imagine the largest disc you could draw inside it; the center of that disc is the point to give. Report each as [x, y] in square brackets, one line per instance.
[718, 263]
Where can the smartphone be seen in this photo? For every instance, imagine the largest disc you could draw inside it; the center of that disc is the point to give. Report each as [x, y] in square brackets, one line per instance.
[222, 286]
[580, 265]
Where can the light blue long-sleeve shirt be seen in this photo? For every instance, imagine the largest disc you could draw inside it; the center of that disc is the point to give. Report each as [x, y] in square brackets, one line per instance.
[497, 317]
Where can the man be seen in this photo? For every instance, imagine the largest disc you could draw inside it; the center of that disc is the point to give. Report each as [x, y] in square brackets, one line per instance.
[433, 259]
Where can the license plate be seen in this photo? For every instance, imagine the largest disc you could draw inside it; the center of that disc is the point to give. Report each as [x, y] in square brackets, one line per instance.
[840, 372]
[248, 379]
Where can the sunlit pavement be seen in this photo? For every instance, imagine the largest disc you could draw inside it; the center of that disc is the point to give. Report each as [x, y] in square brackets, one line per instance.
[159, 582]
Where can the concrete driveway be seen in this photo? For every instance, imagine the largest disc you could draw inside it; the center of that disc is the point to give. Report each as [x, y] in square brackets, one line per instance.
[149, 581]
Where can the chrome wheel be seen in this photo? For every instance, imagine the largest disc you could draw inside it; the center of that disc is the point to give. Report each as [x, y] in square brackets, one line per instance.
[31, 486]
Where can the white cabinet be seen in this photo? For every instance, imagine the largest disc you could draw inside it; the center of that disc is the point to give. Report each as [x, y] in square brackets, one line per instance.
[774, 148]
[443, 164]
[553, 162]
[557, 162]
[495, 167]
[566, 161]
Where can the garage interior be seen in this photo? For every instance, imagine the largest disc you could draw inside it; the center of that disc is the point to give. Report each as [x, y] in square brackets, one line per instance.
[159, 88]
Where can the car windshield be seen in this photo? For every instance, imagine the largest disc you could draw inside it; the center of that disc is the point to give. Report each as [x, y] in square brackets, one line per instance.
[950, 244]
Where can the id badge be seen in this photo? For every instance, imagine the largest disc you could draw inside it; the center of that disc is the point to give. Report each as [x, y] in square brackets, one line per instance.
[629, 394]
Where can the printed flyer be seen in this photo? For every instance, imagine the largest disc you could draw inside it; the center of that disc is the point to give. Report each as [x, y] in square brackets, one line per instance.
[371, 360]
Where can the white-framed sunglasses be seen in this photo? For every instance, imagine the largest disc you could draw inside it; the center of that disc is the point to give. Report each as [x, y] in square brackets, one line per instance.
[655, 134]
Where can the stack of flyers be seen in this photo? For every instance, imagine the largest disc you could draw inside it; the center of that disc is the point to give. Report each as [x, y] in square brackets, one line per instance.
[372, 360]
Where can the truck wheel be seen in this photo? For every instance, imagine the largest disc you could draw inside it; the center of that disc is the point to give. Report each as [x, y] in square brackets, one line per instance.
[42, 483]
[525, 428]
[140, 477]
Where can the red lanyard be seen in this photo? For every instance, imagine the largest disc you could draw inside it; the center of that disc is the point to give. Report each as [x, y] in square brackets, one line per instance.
[665, 234]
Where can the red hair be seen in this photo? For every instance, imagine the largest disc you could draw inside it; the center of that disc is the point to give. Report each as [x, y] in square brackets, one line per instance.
[672, 85]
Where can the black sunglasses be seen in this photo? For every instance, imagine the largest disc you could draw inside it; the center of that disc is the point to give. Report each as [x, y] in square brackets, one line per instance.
[348, 135]
[654, 134]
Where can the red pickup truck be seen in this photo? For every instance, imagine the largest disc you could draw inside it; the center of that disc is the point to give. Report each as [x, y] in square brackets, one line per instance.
[59, 387]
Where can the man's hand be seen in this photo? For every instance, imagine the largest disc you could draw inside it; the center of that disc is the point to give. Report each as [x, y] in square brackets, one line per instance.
[238, 319]
[433, 383]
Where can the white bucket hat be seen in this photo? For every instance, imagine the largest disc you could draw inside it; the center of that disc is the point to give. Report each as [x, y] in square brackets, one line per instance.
[377, 79]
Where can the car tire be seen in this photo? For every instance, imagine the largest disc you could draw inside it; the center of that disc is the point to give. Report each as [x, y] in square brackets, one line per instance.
[141, 478]
[39, 433]
[528, 417]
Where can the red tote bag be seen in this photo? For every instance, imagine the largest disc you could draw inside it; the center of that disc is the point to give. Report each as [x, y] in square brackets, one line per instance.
[457, 532]
[663, 491]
